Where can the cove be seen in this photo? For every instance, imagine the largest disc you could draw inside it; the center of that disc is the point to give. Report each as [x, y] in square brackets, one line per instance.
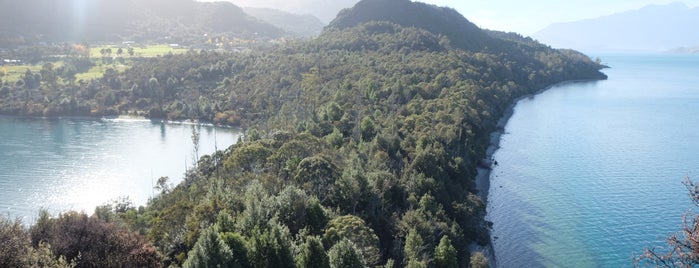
[590, 173]
[79, 163]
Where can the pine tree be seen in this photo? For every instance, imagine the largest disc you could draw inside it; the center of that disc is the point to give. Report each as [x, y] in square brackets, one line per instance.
[445, 254]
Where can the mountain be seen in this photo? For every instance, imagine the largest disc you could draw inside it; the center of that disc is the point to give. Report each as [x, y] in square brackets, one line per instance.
[299, 25]
[362, 143]
[652, 28]
[438, 20]
[181, 21]
[323, 9]
[685, 50]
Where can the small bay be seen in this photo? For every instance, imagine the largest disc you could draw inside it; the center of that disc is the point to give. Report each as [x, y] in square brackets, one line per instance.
[591, 173]
[77, 164]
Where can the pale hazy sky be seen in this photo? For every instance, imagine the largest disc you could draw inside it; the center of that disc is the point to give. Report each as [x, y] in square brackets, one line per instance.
[522, 16]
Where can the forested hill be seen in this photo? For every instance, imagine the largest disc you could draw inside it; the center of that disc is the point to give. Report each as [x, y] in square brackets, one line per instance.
[438, 20]
[172, 21]
[361, 148]
[299, 25]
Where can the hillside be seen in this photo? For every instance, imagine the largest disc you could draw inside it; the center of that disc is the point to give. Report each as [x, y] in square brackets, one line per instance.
[298, 25]
[361, 146]
[685, 50]
[322, 9]
[171, 21]
[438, 20]
[652, 28]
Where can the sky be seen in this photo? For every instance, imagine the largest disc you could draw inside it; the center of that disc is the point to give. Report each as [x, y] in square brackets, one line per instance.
[524, 17]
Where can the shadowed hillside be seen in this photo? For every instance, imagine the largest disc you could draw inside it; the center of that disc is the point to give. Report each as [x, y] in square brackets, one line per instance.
[172, 21]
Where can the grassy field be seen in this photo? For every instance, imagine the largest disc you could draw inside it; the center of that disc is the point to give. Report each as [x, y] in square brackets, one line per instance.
[98, 70]
[145, 52]
[15, 72]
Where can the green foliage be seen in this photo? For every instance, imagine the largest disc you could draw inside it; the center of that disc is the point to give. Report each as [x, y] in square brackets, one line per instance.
[369, 134]
[257, 208]
[367, 129]
[317, 175]
[478, 260]
[312, 254]
[414, 248]
[210, 251]
[250, 157]
[15, 245]
[445, 254]
[344, 254]
[271, 247]
[238, 246]
[355, 230]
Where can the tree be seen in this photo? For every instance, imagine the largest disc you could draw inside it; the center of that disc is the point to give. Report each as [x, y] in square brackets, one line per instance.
[367, 129]
[210, 251]
[414, 249]
[68, 73]
[131, 51]
[92, 242]
[14, 249]
[445, 254]
[682, 248]
[345, 255]
[249, 157]
[478, 260]
[318, 176]
[354, 229]
[271, 247]
[312, 254]
[239, 250]
[48, 74]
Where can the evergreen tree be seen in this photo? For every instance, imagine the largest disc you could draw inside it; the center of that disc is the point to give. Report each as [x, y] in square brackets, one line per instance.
[210, 251]
[313, 254]
[414, 249]
[345, 255]
[445, 254]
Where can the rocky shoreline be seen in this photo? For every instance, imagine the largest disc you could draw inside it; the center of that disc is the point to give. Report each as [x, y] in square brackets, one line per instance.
[483, 176]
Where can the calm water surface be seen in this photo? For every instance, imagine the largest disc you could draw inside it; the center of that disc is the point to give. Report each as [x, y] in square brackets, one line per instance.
[591, 173]
[77, 164]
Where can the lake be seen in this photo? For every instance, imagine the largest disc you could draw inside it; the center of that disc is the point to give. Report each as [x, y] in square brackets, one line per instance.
[77, 164]
[591, 173]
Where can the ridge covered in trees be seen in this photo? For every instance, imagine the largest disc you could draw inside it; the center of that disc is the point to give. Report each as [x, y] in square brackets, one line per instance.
[166, 21]
[361, 145]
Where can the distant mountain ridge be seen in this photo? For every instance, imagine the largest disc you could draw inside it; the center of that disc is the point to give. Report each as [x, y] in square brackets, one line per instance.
[438, 20]
[651, 28]
[115, 20]
[299, 25]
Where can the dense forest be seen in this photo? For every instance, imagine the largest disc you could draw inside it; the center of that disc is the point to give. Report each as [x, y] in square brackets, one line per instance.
[361, 147]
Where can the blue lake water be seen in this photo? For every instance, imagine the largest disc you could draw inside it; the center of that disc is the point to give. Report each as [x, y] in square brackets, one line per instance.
[591, 173]
[77, 164]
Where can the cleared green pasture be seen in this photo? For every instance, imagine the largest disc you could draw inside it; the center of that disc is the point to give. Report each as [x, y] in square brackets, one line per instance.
[149, 51]
[15, 72]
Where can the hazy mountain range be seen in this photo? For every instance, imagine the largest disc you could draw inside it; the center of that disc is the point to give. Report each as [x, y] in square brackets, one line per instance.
[177, 21]
[299, 25]
[325, 10]
[168, 21]
[652, 28]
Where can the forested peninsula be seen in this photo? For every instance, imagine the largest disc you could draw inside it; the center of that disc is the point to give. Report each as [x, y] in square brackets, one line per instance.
[360, 147]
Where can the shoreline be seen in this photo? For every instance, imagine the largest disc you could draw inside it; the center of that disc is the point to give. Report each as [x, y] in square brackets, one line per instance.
[126, 118]
[482, 179]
